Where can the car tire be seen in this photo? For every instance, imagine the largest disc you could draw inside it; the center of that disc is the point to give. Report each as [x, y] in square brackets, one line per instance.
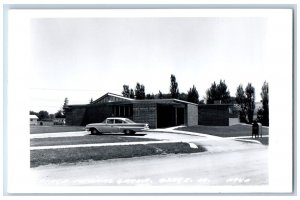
[129, 132]
[94, 131]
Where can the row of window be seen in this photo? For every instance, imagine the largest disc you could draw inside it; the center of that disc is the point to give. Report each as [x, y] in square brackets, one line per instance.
[122, 111]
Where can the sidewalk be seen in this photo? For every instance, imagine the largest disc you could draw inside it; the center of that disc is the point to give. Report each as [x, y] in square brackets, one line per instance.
[207, 136]
[172, 130]
[60, 134]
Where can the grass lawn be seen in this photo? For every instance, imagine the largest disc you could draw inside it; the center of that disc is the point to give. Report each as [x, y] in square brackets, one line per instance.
[224, 131]
[88, 139]
[54, 129]
[74, 155]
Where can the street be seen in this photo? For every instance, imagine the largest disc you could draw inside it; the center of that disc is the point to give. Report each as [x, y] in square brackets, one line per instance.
[226, 162]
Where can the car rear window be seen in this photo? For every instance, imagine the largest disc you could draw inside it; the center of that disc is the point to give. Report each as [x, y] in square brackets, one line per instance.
[129, 121]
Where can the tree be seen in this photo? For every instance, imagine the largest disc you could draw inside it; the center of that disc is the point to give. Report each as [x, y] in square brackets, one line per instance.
[183, 96]
[193, 95]
[212, 94]
[139, 91]
[218, 92]
[250, 101]
[91, 101]
[131, 94]
[265, 101]
[59, 114]
[223, 92]
[51, 116]
[260, 115]
[126, 91]
[43, 115]
[33, 113]
[66, 102]
[150, 96]
[241, 100]
[160, 95]
[174, 87]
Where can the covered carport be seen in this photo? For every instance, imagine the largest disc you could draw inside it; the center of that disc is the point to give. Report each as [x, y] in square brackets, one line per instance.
[169, 115]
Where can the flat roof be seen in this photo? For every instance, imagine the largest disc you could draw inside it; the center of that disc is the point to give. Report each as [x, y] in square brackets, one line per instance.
[162, 101]
[133, 101]
[33, 117]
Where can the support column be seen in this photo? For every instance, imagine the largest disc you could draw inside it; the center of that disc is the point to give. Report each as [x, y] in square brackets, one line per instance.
[176, 121]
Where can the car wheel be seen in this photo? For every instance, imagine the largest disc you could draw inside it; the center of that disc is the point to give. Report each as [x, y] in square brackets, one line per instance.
[94, 131]
[128, 132]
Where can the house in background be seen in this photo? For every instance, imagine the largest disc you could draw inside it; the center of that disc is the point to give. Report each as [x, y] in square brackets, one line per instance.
[33, 120]
[59, 121]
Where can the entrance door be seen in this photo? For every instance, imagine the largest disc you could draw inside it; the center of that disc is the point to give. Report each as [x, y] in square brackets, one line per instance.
[180, 116]
[165, 116]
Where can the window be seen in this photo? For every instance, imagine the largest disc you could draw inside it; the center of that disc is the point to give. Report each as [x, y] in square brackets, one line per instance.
[110, 121]
[122, 111]
[118, 121]
[129, 121]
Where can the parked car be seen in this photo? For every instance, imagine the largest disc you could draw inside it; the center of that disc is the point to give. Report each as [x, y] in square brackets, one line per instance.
[116, 125]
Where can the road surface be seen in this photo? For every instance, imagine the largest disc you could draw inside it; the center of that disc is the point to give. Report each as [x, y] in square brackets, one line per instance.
[245, 165]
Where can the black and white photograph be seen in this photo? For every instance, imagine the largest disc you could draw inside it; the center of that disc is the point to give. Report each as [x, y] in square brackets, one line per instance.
[150, 100]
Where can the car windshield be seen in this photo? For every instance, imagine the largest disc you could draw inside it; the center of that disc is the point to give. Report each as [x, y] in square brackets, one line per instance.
[129, 121]
[110, 121]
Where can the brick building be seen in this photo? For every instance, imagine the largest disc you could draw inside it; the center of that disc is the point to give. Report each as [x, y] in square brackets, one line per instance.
[218, 114]
[157, 112]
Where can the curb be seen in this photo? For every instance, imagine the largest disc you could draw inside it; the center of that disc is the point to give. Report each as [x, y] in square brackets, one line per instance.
[107, 144]
[246, 140]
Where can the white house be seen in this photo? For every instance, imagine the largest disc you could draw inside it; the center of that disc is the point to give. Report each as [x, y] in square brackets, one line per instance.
[33, 120]
[59, 121]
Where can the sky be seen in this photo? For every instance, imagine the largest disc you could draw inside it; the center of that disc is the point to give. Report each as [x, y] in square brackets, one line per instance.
[84, 58]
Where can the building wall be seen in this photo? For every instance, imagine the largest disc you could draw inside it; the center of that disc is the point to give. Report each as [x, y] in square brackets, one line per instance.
[81, 116]
[33, 122]
[145, 113]
[192, 115]
[96, 114]
[45, 123]
[213, 115]
[233, 121]
[75, 116]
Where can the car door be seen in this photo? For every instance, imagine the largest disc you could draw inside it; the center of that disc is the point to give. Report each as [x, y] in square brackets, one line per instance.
[118, 125]
[110, 126]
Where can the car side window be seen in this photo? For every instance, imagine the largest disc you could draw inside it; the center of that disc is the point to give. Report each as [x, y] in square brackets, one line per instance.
[110, 121]
[118, 121]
